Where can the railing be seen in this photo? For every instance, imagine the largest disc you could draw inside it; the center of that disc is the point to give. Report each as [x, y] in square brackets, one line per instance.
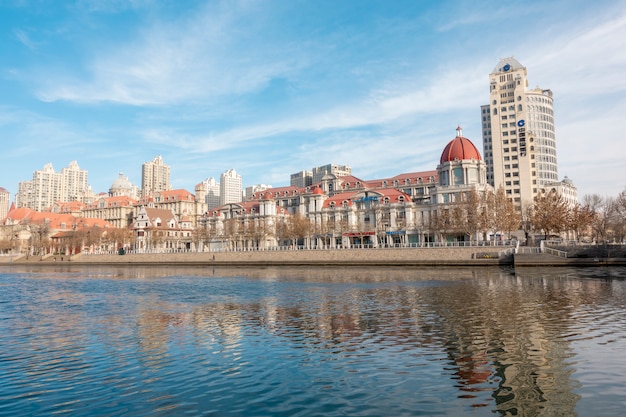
[425, 245]
[556, 252]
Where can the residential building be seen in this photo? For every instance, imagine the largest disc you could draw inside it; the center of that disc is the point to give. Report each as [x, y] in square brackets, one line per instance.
[519, 141]
[180, 202]
[158, 230]
[5, 199]
[301, 179]
[209, 192]
[44, 233]
[255, 189]
[118, 211]
[155, 176]
[337, 170]
[48, 187]
[231, 190]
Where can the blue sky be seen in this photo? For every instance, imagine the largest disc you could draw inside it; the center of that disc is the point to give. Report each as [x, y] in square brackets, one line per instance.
[274, 87]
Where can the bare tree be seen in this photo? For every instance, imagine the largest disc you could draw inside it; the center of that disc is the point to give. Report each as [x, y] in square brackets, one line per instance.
[550, 213]
[298, 227]
[580, 219]
[507, 217]
[604, 210]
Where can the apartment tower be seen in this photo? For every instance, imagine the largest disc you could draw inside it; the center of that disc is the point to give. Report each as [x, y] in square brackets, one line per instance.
[519, 143]
[230, 187]
[49, 187]
[5, 198]
[155, 176]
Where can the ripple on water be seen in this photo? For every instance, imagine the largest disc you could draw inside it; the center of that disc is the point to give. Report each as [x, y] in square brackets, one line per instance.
[393, 345]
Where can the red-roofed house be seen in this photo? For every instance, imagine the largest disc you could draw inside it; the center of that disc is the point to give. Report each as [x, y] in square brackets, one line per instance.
[158, 230]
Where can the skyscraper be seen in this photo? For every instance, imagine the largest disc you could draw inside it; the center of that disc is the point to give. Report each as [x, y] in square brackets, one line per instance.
[155, 176]
[519, 142]
[230, 187]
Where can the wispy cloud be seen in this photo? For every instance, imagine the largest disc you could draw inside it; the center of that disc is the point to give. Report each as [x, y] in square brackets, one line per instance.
[22, 36]
[199, 56]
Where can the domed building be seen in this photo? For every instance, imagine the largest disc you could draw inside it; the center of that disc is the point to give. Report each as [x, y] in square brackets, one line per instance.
[123, 187]
[461, 168]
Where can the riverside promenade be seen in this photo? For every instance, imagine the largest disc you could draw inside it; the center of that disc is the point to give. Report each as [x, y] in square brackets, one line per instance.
[420, 256]
[453, 256]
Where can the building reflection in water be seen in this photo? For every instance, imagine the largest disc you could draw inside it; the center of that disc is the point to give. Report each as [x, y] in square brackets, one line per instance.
[504, 337]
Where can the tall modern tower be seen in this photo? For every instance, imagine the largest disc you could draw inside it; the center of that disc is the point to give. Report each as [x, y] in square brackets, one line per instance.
[155, 176]
[519, 143]
[231, 188]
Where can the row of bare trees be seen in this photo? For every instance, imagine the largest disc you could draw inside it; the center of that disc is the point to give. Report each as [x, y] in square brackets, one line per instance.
[598, 219]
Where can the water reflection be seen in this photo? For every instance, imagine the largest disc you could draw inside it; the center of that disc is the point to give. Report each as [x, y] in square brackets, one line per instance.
[328, 341]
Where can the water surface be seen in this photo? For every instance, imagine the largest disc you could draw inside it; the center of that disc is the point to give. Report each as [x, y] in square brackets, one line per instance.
[140, 341]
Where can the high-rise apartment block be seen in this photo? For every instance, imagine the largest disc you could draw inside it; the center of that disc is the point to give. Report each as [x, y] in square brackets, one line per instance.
[257, 188]
[301, 179]
[209, 190]
[231, 187]
[49, 187]
[519, 142]
[337, 170]
[5, 198]
[155, 176]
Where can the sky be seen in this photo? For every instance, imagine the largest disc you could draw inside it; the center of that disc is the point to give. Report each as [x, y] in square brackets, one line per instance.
[274, 87]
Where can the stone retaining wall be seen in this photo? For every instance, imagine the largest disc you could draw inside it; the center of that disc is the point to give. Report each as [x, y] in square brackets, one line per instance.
[391, 256]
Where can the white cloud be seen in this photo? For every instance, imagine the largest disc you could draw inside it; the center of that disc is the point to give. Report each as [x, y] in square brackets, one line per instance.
[201, 56]
[24, 38]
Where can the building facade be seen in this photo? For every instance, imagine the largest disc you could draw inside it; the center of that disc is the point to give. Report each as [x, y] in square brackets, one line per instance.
[334, 169]
[155, 176]
[5, 199]
[122, 187]
[519, 141]
[417, 208]
[209, 192]
[48, 187]
[301, 179]
[231, 187]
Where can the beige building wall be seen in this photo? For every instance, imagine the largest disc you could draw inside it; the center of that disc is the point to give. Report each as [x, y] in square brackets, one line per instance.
[5, 198]
[519, 141]
[155, 176]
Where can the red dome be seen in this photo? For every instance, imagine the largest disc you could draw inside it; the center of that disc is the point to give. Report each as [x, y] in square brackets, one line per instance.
[459, 148]
[318, 191]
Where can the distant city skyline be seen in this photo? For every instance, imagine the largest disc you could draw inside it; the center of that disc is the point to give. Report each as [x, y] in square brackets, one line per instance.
[274, 88]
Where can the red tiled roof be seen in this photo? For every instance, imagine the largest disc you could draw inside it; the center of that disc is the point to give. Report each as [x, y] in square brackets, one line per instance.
[54, 220]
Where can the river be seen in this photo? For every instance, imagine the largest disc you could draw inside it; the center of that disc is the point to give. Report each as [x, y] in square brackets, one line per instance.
[119, 341]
